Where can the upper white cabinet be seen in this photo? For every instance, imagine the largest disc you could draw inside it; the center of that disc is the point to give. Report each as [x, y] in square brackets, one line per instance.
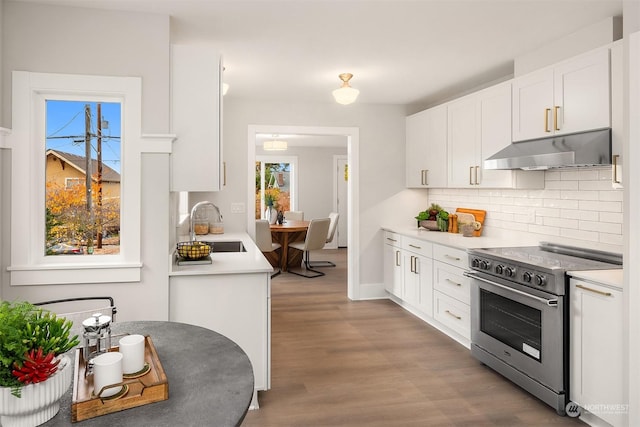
[196, 112]
[617, 117]
[479, 125]
[426, 148]
[568, 97]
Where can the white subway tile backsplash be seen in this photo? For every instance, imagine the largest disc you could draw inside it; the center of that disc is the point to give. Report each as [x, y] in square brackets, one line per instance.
[578, 204]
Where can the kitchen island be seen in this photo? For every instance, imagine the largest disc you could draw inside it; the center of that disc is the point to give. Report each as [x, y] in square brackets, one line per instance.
[232, 296]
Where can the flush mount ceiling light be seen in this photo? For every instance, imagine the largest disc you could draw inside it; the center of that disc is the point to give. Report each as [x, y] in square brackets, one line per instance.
[345, 94]
[275, 145]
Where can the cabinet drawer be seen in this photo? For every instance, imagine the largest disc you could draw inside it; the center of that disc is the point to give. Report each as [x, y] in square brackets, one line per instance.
[391, 238]
[418, 246]
[451, 281]
[448, 255]
[452, 313]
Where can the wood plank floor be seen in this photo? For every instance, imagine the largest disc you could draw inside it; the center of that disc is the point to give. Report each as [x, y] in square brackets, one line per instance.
[337, 362]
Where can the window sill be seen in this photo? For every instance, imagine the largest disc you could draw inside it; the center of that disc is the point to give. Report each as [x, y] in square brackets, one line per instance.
[65, 274]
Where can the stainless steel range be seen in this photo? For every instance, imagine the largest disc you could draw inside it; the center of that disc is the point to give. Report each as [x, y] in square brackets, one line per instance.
[519, 313]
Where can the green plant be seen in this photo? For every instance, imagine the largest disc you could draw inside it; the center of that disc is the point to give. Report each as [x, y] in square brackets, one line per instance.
[30, 338]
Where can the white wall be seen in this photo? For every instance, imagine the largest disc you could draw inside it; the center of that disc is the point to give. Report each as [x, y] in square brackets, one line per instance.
[383, 197]
[52, 39]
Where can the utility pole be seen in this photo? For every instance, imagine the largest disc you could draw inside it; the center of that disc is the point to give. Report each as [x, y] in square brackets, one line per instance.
[87, 154]
[99, 149]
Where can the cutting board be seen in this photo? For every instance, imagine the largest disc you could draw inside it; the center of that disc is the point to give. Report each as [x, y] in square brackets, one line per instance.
[478, 214]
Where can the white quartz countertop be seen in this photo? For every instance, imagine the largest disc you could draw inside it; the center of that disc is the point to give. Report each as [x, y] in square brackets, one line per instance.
[251, 261]
[613, 278]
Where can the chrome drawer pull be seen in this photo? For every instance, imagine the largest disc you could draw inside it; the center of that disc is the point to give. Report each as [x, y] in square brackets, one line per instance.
[391, 240]
[455, 258]
[451, 281]
[606, 294]
[416, 247]
[453, 315]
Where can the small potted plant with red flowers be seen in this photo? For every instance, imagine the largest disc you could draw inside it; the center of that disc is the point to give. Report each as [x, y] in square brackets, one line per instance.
[32, 346]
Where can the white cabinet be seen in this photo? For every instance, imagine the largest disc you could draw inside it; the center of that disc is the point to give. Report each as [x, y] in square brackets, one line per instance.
[236, 305]
[617, 112]
[597, 344]
[451, 290]
[418, 274]
[196, 112]
[479, 125]
[426, 148]
[571, 96]
[393, 263]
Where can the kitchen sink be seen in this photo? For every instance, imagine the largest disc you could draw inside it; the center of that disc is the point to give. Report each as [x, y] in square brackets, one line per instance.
[230, 246]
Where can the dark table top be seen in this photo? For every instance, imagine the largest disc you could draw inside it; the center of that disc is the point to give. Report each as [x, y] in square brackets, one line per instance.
[210, 380]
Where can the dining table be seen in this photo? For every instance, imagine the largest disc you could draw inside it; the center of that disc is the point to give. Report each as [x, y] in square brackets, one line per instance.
[210, 380]
[288, 232]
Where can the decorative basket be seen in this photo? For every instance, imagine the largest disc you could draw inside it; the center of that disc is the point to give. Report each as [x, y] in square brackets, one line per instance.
[193, 250]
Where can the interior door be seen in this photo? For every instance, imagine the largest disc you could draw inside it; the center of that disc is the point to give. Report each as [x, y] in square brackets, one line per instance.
[342, 196]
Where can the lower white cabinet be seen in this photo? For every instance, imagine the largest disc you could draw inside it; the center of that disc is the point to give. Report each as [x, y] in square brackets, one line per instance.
[452, 313]
[393, 263]
[236, 305]
[418, 275]
[597, 373]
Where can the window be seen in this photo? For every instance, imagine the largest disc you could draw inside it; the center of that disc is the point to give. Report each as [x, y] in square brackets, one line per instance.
[82, 213]
[276, 177]
[33, 96]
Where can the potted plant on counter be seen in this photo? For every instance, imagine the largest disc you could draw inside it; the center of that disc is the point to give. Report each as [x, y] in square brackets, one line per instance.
[34, 372]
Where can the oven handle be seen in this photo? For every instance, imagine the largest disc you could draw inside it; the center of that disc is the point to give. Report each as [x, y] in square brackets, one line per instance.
[549, 302]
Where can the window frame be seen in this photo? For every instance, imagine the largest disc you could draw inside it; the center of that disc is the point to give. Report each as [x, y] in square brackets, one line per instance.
[291, 160]
[29, 265]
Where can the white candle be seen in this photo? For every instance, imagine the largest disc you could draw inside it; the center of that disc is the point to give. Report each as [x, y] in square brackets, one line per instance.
[107, 370]
[132, 349]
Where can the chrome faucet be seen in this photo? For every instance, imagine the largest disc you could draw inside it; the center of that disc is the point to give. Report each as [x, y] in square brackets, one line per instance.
[192, 230]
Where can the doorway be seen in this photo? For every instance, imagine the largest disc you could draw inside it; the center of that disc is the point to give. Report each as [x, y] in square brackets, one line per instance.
[352, 136]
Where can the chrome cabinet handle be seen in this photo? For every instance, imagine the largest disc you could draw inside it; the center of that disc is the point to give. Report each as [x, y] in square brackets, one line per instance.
[397, 258]
[414, 246]
[477, 168]
[470, 173]
[606, 294]
[426, 176]
[614, 176]
[391, 240]
[452, 282]
[453, 315]
[455, 258]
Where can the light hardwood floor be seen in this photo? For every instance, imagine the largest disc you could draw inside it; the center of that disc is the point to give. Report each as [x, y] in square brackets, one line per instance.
[337, 362]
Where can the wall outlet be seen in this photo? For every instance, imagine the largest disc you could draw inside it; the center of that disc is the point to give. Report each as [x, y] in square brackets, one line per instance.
[237, 208]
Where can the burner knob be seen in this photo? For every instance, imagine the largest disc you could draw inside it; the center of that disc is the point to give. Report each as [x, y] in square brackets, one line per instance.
[526, 276]
[499, 268]
[475, 263]
[485, 265]
[509, 271]
[540, 280]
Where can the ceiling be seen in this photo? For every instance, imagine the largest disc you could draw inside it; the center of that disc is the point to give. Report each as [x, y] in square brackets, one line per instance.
[400, 52]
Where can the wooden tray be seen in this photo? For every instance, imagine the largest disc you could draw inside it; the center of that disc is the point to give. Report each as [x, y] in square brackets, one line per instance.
[479, 215]
[148, 388]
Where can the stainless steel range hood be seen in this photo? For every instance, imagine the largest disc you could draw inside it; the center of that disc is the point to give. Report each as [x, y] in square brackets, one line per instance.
[591, 148]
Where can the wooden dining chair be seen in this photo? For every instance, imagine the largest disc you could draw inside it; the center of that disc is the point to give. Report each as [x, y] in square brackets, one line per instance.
[294, 215]
[315, 239]
[333, 216]
[264, 241]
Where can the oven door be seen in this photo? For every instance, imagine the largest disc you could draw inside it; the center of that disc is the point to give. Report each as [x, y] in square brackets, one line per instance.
[520, 326]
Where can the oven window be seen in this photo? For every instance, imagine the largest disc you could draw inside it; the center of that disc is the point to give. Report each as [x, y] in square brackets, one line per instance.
[512, 323]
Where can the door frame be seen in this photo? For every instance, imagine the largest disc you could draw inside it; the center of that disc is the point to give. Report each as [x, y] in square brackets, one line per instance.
[336, 158]
[353, 150]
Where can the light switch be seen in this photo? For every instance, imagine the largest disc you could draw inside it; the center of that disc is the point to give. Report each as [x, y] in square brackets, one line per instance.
[237, 208]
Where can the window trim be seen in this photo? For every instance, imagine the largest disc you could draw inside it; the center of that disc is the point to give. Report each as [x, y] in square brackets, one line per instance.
[271, 158]
[29, 264]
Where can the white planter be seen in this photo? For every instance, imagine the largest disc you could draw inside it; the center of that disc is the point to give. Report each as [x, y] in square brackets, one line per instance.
[271, 214]
[39, 402]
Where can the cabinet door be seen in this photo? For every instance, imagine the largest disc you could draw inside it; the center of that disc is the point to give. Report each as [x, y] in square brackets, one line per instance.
[596, 348]
[393, 270]
[411, 278]
[424, 270]
[532, 102]
[495, 132]
[463, 138]
[196, 156]
[582, 93]
[617, 116]
[426, 148]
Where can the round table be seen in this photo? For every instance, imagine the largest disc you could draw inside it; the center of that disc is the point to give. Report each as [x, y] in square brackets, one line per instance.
[290, 231]
[210, 380]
